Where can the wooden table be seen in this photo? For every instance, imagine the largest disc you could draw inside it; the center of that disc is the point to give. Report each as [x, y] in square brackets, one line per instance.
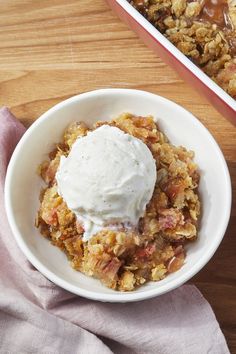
[51, 50]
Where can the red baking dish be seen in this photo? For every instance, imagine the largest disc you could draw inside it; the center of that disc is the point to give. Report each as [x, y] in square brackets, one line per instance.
[224, 103]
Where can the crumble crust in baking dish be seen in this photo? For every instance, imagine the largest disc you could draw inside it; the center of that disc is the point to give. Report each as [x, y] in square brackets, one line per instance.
[203, 30]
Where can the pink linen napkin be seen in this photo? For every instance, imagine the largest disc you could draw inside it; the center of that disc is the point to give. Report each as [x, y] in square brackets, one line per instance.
[37, 316]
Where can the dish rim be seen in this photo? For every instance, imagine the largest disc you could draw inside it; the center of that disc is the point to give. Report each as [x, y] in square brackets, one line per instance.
[177, 54]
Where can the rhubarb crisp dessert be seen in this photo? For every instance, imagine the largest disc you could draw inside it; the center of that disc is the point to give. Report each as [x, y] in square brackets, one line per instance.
[203, 30]
[120, 200]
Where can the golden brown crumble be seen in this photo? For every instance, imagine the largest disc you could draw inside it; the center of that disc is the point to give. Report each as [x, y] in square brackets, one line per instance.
[203, 30]
[125, 259]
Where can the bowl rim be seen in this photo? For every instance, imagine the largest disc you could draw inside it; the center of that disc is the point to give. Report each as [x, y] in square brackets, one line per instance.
[175, 52]
[116, 296]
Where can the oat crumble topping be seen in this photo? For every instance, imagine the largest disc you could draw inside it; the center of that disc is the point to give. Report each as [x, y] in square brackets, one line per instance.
[203, 30]
[126, 259]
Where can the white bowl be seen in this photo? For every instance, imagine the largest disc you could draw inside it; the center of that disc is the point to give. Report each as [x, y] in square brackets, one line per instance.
[23, 186]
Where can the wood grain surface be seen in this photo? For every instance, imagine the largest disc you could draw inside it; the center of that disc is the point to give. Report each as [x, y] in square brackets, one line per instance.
[51, 50]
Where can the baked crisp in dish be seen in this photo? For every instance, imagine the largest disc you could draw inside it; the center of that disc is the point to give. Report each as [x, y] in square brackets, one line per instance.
[203, 30]
[125, 258]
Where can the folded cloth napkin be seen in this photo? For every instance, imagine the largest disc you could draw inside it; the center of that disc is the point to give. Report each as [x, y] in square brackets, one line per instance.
[37, 316]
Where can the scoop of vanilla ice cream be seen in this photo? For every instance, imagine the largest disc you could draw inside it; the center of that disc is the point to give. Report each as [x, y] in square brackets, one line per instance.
[107, 179]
